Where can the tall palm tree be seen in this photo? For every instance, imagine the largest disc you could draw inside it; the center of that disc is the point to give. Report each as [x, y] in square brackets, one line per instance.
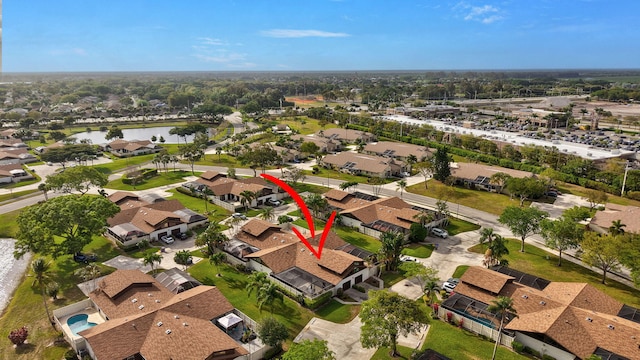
[206, 192]
[424, 217]
[217, 259]
[391, 249]
[255, 282]
[40, 272]
[267, 293]
[267, 213]
[411, 159]
[212, 237]
[430, 289]
[401, 185]
[495, 252]
[245, 198]
[502, 306]
[617, 227]
[151, 259]
[44, 188]
[487, 235]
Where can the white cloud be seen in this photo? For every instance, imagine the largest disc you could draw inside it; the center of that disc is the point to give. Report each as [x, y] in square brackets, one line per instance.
[290, 33]
[212, 41]
[485, 14]
[220, 51]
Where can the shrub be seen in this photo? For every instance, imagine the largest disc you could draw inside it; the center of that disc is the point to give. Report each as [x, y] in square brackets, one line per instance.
[359, 288]
[517, 346]
[317, 302]
[449, 316]
[548, 357]
[460, 323]
[19, 336]
[70, 355]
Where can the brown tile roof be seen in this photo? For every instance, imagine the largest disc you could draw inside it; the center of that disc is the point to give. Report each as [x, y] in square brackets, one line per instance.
[256, 227]
[211, 175]
[188, 315]
[278, 258]
[337, 261]
[487, 279]
[628, 215]
[472, 171]
[362, 162]
[118, 196]
[335, 194]
[224, 186]
[129, 145]
[346, 134]
[372, 211]
[401, 150]
[333, 241]
[149, 220]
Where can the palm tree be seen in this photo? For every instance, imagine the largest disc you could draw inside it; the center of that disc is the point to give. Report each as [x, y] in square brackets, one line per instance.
[495, 252]
[245, 198]
[411, 159]
[152, 258]
[44, 188]
[217, 259]
[401, 185]
[502, 306]
[40, 272]
[183, 257]
[206, 192]
[255, 281]
[316, 203]
[487, 234]
[430, 289]
[616, 227]
[267, 293]
[267, 213]
[424, 217]
[391, 248]
[212, 237]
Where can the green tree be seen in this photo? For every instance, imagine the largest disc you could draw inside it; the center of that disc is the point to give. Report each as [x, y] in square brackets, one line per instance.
[114, 133]
[310, 148]
[401, 185]
[604, 252]
[44, 188]
[272, 332]
[426, 169]
[316, 203]
[596, 197]
[417, 233]
[496, 250]
[40, 271]
[206, 196]
[577, 213]
[441, 168]
[78, 178]
[255, 281]
[411, 160]
[346, 185]
[522, 222]
[191, 153]
[309, 349]
[213, 238]
[503, 307]
[152, 258]
[267, 294]
[499, 179]
[525, 188]
[183, 257]
[88, 272]
[62, 225]
[385, 316]
[246, 197]
[267, 213]
[487, 235]
[217, 259]
[391, 249]
[617, 227]
[421, 274]
[562, 234]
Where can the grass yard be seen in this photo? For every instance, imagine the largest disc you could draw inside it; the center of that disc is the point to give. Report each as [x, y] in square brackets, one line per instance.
[457, 226]
[17, 194]
[316, 189]
[392, 278]
[566, 188]
[360, 240]
[333, 174]
[219, 160]
[310, 126]
[162, 179]
[460, 270]
[460, 344]
[233, 283]
[540, 263]
[418, 250]
[216, 213]
[477, 199]
[383, 353]
[133, 162]
[338, 313]
[8, 224]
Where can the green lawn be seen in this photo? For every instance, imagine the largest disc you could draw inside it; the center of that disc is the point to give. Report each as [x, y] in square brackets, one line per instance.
[477, 199]
[338, 313]
[17, 194]
[216, 213]
[333, 174]
[317, 189]
[540, 263]
[360, 240]
[383, 353]
[457, 226]
[8, 224]
[460, 270]
[233, 283]
[133, 162]
[161, 179]
[219, 160]
[310, 126]
[418, 250]
[391, 278]
[460, 344]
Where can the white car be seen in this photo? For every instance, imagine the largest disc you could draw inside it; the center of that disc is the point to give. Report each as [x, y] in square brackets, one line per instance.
[239, 216]
[408, 258]
[167, 239]
[448, 287]
[440, 233]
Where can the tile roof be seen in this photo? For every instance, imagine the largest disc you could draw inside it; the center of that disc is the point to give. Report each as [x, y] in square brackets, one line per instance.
[224, 186]
[628, 215]
[485, 279]
[373, 211]
[211, 175]
[472, 171]
[397, 149]
[118, 196]
[256, 227]
[335, 194]
[187, 315]
[125, 144]
[346, 134]
[361, 162]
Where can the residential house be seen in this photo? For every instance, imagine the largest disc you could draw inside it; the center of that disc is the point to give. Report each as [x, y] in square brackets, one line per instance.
[397, 150]
[378, 216]
[140, 220]
[227, 192]
[348, 135]
[478, 176]
[288, 155]
[563, 320]
[131, 315]
[325, 145]
[263, 246]
[125, 148]
[629, 216]
[16, 156]
[12, 143]
[281, 129]
[362, 164]
[13, 173]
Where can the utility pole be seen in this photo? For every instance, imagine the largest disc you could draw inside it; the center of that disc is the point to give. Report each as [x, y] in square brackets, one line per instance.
[624, 181]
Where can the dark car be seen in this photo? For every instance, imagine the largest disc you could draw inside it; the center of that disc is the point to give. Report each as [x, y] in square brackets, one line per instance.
[84, 258]
[183, 236]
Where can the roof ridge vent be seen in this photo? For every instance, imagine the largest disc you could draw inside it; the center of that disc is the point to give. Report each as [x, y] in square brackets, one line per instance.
[176, 317]
[525, 296]
[543, 303]
[589, 319]
[168, 331]
[159, 323]
[611, 327]
[134, 300]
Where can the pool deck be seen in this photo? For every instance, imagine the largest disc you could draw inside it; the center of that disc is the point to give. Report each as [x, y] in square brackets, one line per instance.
[94, 317]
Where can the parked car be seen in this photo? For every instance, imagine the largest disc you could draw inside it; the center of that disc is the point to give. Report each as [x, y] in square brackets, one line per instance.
[408, 258]
[84, 258]
[167, 239]
[274, 202]
[448, 286]
[183, 236]
[239, 216]
[453, 280]
[440, 233]
[405, 174]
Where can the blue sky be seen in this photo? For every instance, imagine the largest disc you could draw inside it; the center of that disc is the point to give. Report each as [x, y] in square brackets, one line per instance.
[263, 35]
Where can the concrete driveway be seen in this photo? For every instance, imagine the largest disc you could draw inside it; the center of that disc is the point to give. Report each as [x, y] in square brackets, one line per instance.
[342, 339]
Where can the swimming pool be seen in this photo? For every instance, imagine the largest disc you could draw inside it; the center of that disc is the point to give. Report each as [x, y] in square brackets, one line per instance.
[78, 323]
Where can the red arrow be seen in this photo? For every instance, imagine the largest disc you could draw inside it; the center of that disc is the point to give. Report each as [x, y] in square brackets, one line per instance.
[307, 215]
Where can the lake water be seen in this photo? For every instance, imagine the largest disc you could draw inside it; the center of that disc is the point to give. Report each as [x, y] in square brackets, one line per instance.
[97, 137]
[11, 270]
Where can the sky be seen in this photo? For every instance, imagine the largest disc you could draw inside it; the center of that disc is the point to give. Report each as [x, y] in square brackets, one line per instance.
[318, 35]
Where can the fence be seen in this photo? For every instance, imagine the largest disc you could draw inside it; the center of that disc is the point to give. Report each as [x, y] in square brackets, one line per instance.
[256, 349]
[475, 326]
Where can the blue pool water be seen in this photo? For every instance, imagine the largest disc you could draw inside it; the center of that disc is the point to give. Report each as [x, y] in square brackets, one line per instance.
[78, 323]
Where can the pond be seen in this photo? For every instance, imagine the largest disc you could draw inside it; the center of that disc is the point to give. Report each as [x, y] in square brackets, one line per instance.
[97, 137]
